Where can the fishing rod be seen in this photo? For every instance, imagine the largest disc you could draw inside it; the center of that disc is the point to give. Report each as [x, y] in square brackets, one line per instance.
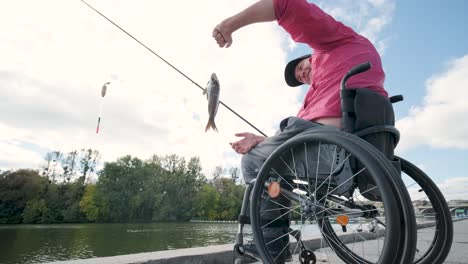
[130, 35]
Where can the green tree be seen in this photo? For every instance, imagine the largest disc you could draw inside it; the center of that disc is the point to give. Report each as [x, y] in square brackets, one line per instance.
[88, 204]
[35, 212]
[72, 194]
[230, 199]
[207, 203]
[17, 188]
[118, 182]
[179, 183]
[166, 188]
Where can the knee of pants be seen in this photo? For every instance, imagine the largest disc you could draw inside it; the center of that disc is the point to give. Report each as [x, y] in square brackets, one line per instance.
[250, 166]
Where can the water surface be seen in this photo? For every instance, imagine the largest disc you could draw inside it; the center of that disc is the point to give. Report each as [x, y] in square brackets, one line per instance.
[43, 243]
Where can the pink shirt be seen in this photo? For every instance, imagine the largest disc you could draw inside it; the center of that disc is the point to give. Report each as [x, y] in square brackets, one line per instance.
[337, 49]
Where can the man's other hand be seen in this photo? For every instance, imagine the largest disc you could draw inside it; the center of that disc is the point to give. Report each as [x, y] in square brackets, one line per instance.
[248, 142]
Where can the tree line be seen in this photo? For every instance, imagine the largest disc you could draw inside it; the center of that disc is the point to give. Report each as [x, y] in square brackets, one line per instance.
[161, 188]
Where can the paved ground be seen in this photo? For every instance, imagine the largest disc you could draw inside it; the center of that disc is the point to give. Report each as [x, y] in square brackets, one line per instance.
[458, 253]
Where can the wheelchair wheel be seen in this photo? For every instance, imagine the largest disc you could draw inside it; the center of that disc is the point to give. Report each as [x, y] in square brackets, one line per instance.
[436, 228]
[407, 245]
[309, 180]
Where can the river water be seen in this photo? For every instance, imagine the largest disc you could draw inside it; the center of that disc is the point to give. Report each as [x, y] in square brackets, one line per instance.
[44, 243]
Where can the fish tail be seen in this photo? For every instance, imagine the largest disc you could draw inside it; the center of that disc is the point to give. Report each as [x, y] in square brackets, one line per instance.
[211, 124]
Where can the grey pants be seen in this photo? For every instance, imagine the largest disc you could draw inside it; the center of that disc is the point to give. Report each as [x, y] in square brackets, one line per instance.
[253, 160]
[275, 211]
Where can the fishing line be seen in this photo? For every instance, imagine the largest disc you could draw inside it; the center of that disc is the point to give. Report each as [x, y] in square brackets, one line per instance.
[123, 30]
[101, 107]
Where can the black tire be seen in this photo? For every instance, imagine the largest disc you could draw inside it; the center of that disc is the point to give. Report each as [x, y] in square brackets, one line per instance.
[383, 176]
[435, 249]
[407, 244]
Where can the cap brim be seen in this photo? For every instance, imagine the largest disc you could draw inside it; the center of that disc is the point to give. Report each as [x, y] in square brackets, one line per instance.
[290, 69]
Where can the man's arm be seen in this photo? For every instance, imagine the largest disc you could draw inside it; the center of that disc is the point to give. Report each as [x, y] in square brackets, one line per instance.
[261, 11]
[307, 23]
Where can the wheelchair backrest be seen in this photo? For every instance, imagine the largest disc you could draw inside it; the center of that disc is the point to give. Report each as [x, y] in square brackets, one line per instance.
[370, 116]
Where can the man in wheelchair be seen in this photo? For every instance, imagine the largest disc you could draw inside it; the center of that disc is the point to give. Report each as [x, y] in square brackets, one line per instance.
[337, 49]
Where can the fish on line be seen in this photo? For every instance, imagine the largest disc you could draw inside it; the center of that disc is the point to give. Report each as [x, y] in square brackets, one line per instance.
[212, 95]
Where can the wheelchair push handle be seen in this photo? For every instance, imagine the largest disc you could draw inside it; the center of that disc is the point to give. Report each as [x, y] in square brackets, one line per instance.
[356, 70]
[396, 98]
[348, 118]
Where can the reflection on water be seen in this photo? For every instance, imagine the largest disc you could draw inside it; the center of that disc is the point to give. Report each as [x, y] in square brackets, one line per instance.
[43, 243]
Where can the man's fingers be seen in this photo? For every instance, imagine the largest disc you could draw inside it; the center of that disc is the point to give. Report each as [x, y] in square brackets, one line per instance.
[243, 134]
[218, 35]
[221, 38]
[215, 32]
[237, 149]
[221, 42]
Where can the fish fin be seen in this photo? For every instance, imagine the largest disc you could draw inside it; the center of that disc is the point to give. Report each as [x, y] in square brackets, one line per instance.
[211, 124]
[204, 91]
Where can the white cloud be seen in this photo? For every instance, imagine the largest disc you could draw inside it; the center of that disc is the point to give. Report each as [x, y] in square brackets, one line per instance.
[441, 120]
[377, 2]
[368, 18]
[57, 54]
[454, 188]
[9, 153]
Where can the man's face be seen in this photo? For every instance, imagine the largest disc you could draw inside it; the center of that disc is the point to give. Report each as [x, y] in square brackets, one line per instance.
[302, 71]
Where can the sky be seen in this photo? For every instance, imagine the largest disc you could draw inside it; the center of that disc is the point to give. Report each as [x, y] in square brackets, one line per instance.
[55, 55]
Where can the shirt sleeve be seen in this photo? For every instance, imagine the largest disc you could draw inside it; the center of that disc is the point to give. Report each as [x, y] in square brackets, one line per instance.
[307, 23]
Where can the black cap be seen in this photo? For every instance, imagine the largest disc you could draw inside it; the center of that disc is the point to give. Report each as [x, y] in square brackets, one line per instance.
[289, 71]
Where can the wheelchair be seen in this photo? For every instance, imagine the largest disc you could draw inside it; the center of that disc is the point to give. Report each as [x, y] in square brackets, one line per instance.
[342, 196]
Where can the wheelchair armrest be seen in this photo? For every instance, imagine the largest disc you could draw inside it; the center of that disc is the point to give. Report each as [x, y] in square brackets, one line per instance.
[396, 98]
[377, 129]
